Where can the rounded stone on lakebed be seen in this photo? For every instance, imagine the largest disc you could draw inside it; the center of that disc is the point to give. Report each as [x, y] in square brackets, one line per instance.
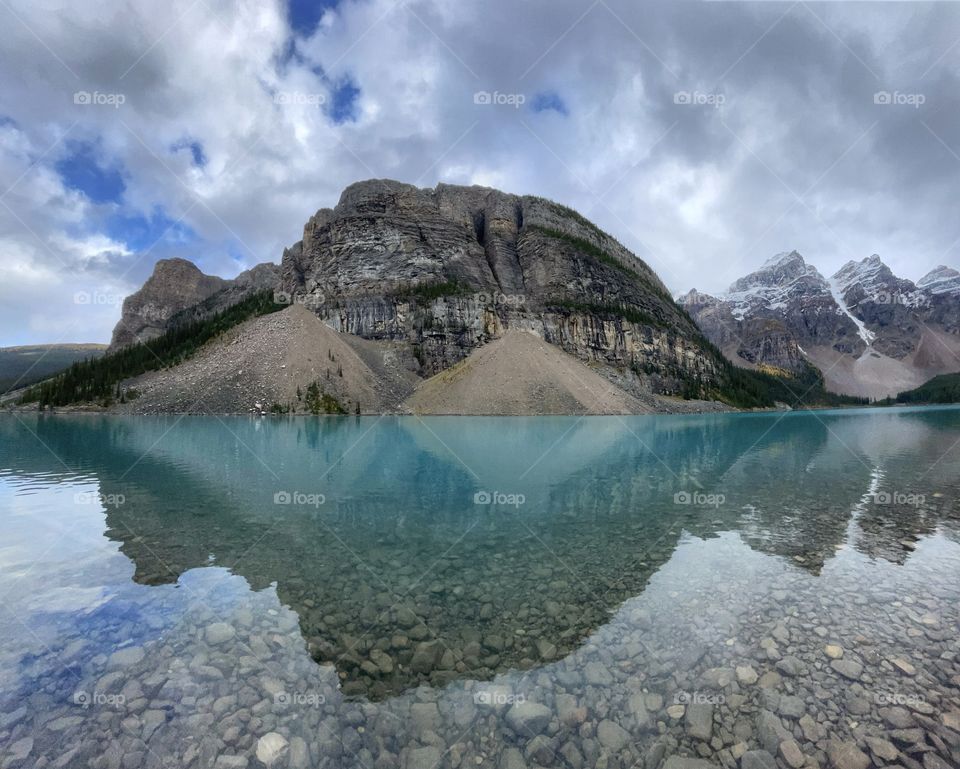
[746, 675]
[219, 632]
[271, 749]
[526, 718]
[123, 658]
[833, 651]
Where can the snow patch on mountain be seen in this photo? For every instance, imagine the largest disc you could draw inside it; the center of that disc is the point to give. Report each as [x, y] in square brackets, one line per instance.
[836, 288]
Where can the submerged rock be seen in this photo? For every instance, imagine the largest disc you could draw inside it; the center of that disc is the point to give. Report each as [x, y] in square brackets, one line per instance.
[219, 632]
[527, 718]
[272, 748]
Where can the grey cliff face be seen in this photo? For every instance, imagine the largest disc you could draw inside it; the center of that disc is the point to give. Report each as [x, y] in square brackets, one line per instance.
[447, 269]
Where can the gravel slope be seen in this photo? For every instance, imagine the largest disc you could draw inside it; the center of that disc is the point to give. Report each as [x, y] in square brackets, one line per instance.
[266, 359]
[521, 374]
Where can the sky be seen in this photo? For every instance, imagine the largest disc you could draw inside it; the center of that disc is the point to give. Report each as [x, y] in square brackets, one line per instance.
[704, 136]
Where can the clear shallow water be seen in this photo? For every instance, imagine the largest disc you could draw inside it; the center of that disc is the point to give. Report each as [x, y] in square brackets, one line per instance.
[400, 592]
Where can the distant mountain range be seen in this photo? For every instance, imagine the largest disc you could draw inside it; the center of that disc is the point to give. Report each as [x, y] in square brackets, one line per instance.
[868, 331]
[22, 366]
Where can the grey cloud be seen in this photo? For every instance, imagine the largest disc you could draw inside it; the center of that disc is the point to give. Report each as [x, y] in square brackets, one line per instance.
[703, 194]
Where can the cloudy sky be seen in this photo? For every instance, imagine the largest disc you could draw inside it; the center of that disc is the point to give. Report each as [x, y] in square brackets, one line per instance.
[706, 137]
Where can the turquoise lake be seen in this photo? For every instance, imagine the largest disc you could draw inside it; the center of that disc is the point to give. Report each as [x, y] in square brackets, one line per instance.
[412, 593]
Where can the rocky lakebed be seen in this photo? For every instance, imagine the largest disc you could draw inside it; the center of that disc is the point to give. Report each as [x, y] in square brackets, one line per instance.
[740, 591]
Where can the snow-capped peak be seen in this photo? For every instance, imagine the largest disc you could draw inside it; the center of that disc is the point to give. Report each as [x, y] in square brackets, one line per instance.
[780, 272]
[779, 281]
[942, 280]
[866, 270]
[783, 257]
[870, 280]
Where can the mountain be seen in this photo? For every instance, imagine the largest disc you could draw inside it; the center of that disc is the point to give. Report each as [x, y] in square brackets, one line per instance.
[22, 366]
[766, 316]
[178, 286]
[868, 331]
[448, 269]
[442, 300]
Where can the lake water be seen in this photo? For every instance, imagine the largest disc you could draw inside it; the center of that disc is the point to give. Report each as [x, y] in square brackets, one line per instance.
[459, 592]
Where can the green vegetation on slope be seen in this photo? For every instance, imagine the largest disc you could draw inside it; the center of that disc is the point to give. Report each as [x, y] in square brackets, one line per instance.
[944, 388]
[589, 249]
[98, 379]
[427, 292]
[747, 388]
[627, 312]
[320, 402]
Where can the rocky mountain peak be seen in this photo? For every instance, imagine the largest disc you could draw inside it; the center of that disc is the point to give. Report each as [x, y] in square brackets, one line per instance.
[385, 235]
[941, 280]
[779, 271]
[853, 270]
[695, 297]
[177, 285]
[447, 269]
[871, 281]
[780, 281]
[784, 259]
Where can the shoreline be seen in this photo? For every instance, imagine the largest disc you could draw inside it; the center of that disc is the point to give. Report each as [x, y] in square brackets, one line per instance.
[728, 410]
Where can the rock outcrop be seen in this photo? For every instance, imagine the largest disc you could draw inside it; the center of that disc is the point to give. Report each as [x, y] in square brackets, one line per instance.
[174, 286]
